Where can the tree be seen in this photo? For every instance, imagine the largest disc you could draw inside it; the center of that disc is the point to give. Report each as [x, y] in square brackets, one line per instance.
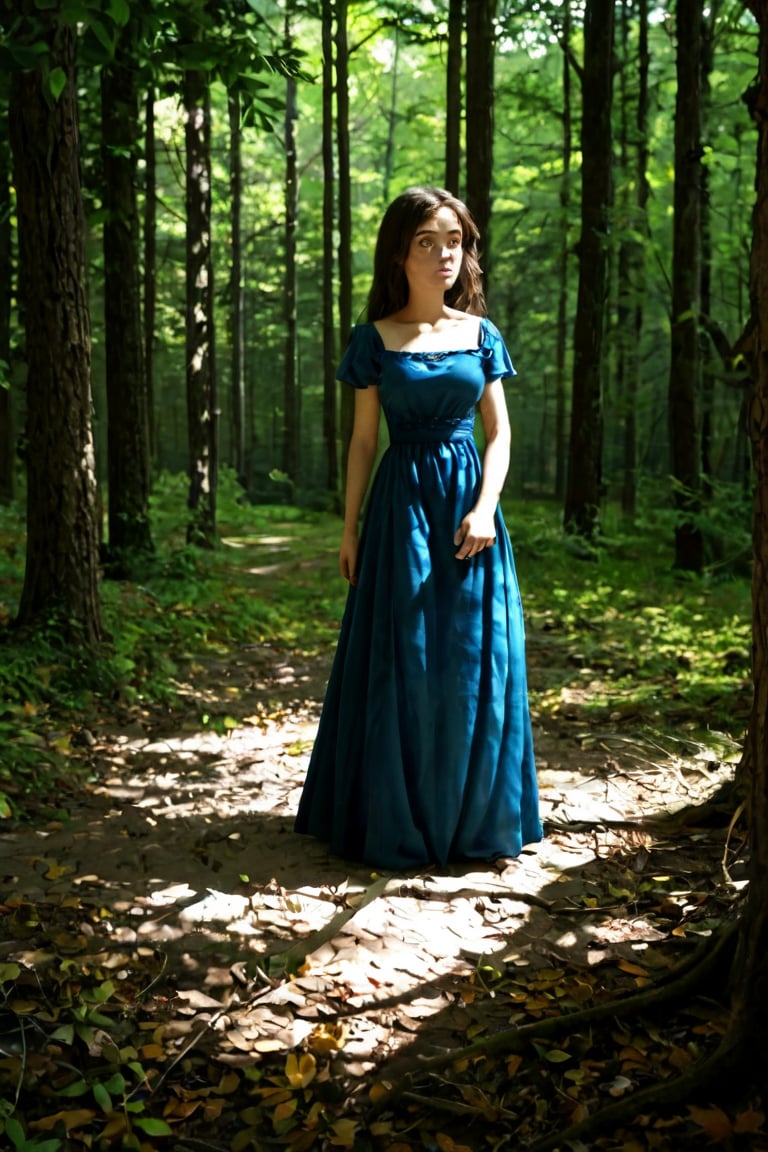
[62, 566]
[583, 496]
[749, 978]
[291, 423]
[7, 447]
[329, 343]
[479, 124]
[453, 101]
[685, 365]
[563, 260]
[344, 209]
[127, 412]
[236, 293]
[202, 413]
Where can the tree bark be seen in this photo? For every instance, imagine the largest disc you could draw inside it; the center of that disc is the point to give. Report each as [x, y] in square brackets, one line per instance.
[453, 101]
[150, 261]
[291, 424]
[583, 491]
[202, 415]
[62, 562]
[345, 216]
[685, 359]
[479, 127]
[632, 261]
[563, 261]
[749, 1019]
[236, 294]
[127, 415]
[7, 446]
[330, 421]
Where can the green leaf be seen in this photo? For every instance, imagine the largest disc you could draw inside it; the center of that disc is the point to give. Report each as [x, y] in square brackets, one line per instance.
[119, 11]
[76, 1088]
[153, 1127]
[57, 82]
[102, 1097]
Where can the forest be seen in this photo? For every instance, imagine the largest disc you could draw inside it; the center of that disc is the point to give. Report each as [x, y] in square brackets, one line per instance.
[190, 192]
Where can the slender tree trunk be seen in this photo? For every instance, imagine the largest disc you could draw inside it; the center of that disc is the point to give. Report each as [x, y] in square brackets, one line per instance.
[62, 564]
[708, 368]
[127, 429]
[345, 215]
[291, 429]
[237, 301]
[202, 415]
[685, 360]
[749, 1020]
[583, 494]
[7, 447]
[479, 126]
[563, 261]
[632, 258]
[389, 149]
[150, 271]
[330, 422]
[453, 77]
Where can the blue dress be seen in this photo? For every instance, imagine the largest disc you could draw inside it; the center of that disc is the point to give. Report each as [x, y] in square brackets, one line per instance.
[424, 752]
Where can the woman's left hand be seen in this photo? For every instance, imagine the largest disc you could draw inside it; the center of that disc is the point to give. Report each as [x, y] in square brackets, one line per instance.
[476, 532]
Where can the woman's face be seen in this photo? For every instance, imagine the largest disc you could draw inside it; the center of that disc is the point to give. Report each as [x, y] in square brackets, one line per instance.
[435, 253]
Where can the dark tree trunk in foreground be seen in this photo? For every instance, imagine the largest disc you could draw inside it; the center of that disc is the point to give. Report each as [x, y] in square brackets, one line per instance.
[749, 1023]
[128, 430]
[454, 59]
[582, 501]
[7, 446]
[685, 367]
[202, 415]
[61, 576]
[330, 421]
[479, 128]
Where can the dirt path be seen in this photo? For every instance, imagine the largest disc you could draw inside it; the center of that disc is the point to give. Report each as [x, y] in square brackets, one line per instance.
[180, 864]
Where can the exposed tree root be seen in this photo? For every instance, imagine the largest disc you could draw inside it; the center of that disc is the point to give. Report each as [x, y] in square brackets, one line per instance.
[681, 984]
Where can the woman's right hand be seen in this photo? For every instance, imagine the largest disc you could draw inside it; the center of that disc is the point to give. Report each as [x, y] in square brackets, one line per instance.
[348, 555]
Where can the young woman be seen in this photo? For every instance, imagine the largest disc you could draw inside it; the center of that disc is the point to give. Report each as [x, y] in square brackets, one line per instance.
[424, 752]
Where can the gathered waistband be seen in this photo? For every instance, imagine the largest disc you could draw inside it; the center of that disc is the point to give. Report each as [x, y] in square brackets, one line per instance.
[426, 431]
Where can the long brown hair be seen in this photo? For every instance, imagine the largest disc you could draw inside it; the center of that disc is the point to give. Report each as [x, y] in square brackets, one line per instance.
[389, 290]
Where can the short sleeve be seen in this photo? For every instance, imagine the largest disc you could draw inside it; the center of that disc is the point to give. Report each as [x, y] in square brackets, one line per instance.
[361, 363]
[496, 359]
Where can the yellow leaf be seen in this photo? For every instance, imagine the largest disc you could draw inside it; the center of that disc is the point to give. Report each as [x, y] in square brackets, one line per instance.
[300, 1071]
[448, 1145]
[229, 1082]
[344, 1133]
[713, 1121]
[749, 1121]
[69, 1119]
[284, 1111]
[327, 1038]
[379, 1090]
[513, 1065]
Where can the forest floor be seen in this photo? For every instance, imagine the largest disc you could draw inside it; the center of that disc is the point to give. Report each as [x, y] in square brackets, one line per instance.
[188, 973]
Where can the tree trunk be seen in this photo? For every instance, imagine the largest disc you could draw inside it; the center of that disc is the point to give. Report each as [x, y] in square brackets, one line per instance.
[237, 299]
[202, 415]
[345, 216]
[150, 262]
[330, 421]
[291, 446]
[127, 423]
[749, 1019]
[582, 502]
[685, 360]
[479, 126]
[632, 260]
[563, 261]
[7, 446]
[453, 97]
[62, 563]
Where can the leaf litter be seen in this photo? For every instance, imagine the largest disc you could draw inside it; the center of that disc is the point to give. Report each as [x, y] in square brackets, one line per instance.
[179, 970]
